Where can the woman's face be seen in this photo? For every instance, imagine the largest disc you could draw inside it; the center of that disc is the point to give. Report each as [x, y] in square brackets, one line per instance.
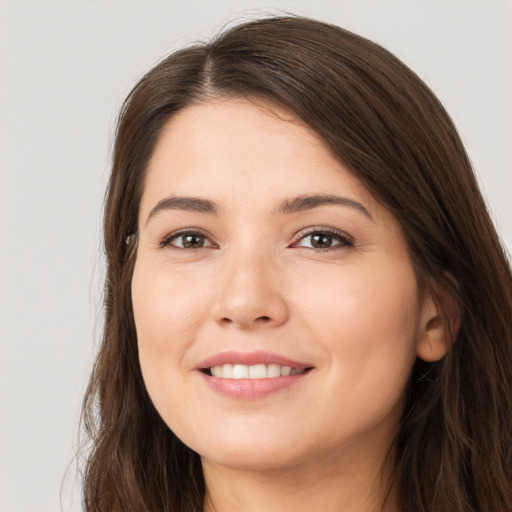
[262, 260]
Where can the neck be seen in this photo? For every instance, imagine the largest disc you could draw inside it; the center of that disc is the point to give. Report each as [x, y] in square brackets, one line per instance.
[351, 486]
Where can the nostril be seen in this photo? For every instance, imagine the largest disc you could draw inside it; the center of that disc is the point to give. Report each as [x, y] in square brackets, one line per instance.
[263, 319]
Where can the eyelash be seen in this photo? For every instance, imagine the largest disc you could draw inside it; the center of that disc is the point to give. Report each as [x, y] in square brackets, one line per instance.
[167, 241]
[344, 240]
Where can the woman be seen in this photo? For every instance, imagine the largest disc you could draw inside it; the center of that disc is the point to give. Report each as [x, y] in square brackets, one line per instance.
[307, 305]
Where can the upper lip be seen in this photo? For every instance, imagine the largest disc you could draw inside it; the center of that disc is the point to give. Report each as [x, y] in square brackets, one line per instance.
[250, 359]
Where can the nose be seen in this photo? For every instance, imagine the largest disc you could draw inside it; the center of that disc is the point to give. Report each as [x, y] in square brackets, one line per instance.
[250, 294]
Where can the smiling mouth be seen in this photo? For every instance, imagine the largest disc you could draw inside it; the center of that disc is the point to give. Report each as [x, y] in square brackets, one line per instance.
[257, 371]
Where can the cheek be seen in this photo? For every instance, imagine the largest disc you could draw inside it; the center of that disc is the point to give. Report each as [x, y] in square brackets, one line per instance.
[167, 312]
[165, 306]
[367, 323]
[346, 301]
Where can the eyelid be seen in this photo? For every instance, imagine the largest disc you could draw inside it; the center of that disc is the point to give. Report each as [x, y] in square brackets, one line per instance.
[167, 239]
[345, 237]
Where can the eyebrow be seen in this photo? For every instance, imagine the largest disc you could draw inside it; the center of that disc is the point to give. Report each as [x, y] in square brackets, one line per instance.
[189, 204]
[286, 207]
[301, 203]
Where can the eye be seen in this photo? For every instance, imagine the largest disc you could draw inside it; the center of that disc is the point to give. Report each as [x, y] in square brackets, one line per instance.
[323, 239]
[187, 240]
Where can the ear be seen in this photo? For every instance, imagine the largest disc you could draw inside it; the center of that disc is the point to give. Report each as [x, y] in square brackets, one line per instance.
[439, 324]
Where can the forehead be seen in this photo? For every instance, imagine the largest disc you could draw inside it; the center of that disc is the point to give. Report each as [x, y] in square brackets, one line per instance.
[238, 129]
[226, 148]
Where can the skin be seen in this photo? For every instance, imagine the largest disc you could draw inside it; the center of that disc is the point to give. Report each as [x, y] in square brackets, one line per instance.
[352, 312]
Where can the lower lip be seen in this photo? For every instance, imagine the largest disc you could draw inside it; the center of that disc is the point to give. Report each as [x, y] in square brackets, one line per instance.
[251, 389]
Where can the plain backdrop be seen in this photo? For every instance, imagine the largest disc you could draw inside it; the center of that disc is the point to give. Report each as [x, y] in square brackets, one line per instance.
[65, 67]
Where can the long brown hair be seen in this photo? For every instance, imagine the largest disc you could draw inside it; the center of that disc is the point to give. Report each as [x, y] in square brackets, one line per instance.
[454, 447]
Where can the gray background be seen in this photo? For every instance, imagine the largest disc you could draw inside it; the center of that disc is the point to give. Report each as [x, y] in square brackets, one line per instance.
[65, 67]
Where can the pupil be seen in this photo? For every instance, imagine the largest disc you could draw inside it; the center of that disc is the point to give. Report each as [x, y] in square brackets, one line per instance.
[192, 241]
[321, 241]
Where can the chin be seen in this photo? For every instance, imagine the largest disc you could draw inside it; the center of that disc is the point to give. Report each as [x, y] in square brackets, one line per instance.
[252, 459]
[249, 452]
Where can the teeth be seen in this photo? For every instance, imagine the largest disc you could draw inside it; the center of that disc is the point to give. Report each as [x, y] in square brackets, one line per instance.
[285, 371]
[257, 371]
[274, 370]
[240, 371]
[227, 371]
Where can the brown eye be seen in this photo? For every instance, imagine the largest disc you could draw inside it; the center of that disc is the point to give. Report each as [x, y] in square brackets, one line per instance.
[187, 240]
[192, 241]
[321, 241]
[324, 240]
